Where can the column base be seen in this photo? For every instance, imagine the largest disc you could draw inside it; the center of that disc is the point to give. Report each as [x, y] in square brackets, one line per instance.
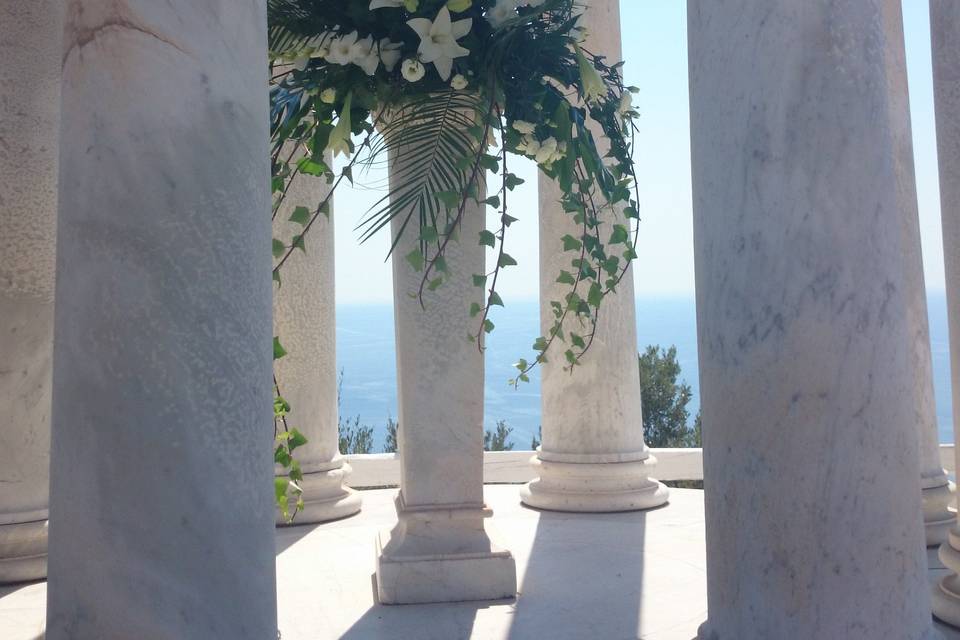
[946, 594]
[23, 552]
[592, 487]
[442, 554]
[938, 518]
[326, 497]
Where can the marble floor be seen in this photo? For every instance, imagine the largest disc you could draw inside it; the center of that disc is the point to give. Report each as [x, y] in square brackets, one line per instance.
[611, 576]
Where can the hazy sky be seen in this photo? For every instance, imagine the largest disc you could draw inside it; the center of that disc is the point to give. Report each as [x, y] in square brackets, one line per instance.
[655, 51]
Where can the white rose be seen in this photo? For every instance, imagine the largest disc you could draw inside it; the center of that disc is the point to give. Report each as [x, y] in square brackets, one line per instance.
[458, 83]
[412, 70]
[328, 95]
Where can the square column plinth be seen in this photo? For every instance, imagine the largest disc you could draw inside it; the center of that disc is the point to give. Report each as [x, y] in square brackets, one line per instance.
[442, 554]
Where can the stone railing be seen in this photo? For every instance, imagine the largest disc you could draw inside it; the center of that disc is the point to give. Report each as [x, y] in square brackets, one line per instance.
[376, 470]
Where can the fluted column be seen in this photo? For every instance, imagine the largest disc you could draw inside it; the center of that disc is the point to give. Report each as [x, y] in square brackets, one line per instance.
[441, 549]
[801, 174]
[29, 119]
[161, 502]
[592, 456]
[304, 318]
[945, 36]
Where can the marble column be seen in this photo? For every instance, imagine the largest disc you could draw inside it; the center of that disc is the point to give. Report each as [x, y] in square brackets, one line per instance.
[945, 36]
[592, 456]
[304, 318]
[29, 116]
[441, 549]
[799, 135]
[161, 500]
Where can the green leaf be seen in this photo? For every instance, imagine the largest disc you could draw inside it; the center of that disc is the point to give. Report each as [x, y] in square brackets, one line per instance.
[278, 350]
[311, 168]
[440, 264]
[479, 280]
[570, 243]
[495, 299]
[595, 295]
[348, 173]
[570, 356]
[428, 234]
[475, 309]
[507, 220]
[620, 235]
[298, 243]
[566, 277]
[521, 365]
[415, 258]
[540, 344]
[297, 439]
[458, 6]
[506, 260]
[488, 326]
[577, 340]
[278, 248]
[450, 199]
[487, 238]
[493, 201]
[300, 215]
[510, 181]
[435, 283]
[280, 485]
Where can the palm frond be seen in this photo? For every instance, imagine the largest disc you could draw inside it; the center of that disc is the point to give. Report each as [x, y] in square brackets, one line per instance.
[430, 141]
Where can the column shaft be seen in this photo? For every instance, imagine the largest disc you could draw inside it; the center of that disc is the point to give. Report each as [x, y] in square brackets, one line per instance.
[304, 317]
[803, 270]
[945, 37]
[441, 549]
[592, 457]
[161, 488]
[29, 122]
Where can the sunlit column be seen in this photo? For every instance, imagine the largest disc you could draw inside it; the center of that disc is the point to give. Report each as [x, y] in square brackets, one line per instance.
[29, 120]
[161, 501]
[441, 548]
[945, 36]
[592, 456]
[802, 172]
[304, 318]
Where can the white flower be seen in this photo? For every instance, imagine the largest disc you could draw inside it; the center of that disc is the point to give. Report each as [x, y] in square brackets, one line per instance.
[366, 56]
[412, 70]
[301, 63]
[501, 12]
[438, 40]
[547, 149]
[328, 95]
[529, 145]
[342, 49]
[524, 127]
[380, 4]
[390, 53]
[458, 83]
[626, 103]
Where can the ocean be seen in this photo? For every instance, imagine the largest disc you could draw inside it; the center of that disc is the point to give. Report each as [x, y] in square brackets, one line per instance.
[365, 355]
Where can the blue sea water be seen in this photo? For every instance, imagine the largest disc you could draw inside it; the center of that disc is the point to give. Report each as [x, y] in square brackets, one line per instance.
[365, 354]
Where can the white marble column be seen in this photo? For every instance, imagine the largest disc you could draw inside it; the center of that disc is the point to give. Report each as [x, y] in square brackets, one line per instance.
[441, 549]
[29, 117]
[161, 501]
[801, 174]
[945, 36]
[592, 456]
[304, 318]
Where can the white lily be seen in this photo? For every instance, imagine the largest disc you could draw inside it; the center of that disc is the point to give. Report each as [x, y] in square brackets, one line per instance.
[438, 40]
[524, 127]
[342, 49]
[339, 140]
[366, 57]
[380, 4]
[390, 53]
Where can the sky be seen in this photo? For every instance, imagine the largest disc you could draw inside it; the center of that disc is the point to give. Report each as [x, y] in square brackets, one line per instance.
[655, 52]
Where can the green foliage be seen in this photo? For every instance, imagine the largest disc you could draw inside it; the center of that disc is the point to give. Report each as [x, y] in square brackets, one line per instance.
[355, 437]
[390, 445]
[497, 440]
[665, 401]
[519, 78]
[537, 439]
[286, 439]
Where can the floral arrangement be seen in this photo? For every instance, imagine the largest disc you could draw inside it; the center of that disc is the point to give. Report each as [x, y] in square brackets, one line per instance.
[458, 86]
